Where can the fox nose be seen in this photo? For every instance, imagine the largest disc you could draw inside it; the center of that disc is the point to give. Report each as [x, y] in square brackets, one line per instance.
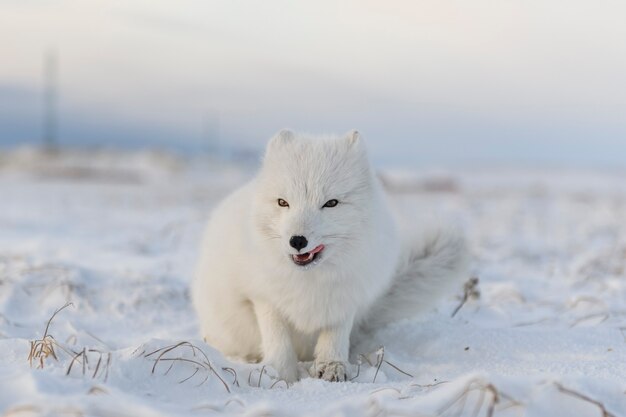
[298, 242]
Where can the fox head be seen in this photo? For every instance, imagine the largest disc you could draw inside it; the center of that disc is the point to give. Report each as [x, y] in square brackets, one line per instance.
[313, 198]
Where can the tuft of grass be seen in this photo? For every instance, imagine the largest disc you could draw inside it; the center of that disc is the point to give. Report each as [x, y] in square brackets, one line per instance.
[101, 367]
[42, 349]
[46, 347]
[489, 398]
[203, 368]
[200, 360]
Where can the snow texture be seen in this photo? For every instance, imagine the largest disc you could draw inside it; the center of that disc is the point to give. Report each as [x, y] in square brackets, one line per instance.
[543, 333]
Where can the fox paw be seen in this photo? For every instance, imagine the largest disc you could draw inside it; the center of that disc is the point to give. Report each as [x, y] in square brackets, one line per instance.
[330, 371]
[287, 370]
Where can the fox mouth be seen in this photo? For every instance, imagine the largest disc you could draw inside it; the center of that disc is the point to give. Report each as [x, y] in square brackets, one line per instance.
[306, 258]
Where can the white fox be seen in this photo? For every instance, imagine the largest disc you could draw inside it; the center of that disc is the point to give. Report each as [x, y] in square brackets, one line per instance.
[307, 256]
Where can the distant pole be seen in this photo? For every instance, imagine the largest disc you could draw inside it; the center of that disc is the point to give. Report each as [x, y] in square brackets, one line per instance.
[50, 122]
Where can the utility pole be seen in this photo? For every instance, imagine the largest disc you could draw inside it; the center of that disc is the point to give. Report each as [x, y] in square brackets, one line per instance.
[50, 96]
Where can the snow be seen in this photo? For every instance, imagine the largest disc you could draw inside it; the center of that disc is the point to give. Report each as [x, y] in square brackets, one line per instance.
[117, 235]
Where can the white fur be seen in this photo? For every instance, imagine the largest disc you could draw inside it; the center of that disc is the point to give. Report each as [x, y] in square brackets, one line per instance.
[255, 303]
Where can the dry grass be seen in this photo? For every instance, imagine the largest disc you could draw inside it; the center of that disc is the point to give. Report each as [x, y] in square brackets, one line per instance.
[203, 368]
[470, 292]
[42, 349]
[101, 368]
[47, 346]
[484, 399]
[478, 398]
[234, 374]
[200, 361]
[586, 398]
[380, 360]
[489, 398]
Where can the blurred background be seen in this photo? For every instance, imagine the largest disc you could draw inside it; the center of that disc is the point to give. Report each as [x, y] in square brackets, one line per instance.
[426, 82]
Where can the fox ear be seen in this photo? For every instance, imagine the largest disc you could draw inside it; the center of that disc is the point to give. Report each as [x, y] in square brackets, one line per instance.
[281, 138]
[353, 137]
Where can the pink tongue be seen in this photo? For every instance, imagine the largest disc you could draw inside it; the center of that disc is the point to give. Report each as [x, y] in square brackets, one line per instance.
[309, 255]
[317, 249]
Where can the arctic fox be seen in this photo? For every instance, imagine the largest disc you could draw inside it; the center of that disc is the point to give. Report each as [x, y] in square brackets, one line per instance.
[307, 256]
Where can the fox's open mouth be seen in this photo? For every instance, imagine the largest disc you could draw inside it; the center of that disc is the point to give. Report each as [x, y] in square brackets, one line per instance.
[306, 258]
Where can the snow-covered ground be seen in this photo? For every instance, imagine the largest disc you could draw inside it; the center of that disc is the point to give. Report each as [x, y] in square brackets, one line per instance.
[116, 236]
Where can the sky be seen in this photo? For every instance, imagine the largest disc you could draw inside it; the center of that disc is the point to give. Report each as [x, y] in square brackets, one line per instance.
[426, 82]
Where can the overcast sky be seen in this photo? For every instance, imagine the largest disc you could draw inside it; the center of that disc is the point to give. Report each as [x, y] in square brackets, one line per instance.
[426, 82]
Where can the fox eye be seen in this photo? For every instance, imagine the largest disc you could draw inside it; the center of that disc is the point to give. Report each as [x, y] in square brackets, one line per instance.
[331, 203]
[282, 203]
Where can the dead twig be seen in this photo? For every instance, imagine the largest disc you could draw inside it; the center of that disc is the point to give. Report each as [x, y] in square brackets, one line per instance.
[495, 399]
[260, 376]
[470, 291]
[234, 373]
[82, 357]
[82, 354]
[380, 353]
[583, 397]
[380, 359]
[359, 362]
[107, 367]
[278, 381]
[434, 384]
[398, 369]
[190, 376]
[95, 372]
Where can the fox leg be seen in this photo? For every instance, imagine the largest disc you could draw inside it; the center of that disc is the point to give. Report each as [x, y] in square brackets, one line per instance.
[276, 344]
[331, 352]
